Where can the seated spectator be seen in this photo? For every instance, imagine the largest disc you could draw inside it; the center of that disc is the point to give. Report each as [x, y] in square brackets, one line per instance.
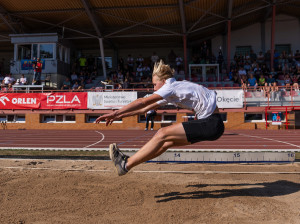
[8, 80]
[260, 58]
[66, 84]
[236, 80]
[118, 86]
[247, 66]
[295, 82]
[261, 81]
[270, 80]
[139, 72]
[75, 86]
[139, 60]
[287, 81]
[120, 76]
[244, 82]
[179, 62]
[267, 90]
[23, 80]
[242, 71]
[252, 82]
[74, 77]
[146, 70]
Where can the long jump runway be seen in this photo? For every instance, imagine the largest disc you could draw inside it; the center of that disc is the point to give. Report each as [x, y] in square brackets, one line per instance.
[281, 140]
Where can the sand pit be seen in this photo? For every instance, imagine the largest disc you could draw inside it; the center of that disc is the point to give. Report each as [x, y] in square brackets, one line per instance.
[65, 191]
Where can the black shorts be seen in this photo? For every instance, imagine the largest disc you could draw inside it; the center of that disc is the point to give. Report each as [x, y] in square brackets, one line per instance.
[207, 129]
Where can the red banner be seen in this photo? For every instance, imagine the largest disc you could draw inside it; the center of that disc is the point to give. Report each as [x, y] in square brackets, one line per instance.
[20, 101]
[65, 100]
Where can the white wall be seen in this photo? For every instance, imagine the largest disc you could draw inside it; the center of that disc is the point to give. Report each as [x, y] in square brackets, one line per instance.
[287, 31]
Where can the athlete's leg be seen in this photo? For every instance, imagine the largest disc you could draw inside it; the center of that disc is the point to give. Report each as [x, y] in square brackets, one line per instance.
[158, 144]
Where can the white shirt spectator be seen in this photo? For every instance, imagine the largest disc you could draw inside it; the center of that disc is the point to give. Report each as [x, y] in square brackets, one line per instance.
[8, 80]
[74, 77]
[120, 76]
[23, 81]
[188, 95]
[179, 60]
[242, 72]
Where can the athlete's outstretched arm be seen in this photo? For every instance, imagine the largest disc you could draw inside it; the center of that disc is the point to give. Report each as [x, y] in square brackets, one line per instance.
[135, 107]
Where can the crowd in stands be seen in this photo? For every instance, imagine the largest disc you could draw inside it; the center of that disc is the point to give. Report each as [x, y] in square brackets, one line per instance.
[247, 71]
[253, 71]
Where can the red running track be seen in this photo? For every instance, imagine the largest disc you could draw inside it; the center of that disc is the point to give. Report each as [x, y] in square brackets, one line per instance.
[135, 139]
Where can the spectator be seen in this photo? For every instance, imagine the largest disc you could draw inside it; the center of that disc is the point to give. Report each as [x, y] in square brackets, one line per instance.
[8, 80]
[236, 80]
[261, 81]
[130, 63]
[276, 59]
[244, 82]
[82, 62]
[270, 80]
[139, 60]
[150, 115]
[268, 59]
[260, 58]
[287, 81]
[120, 76]
[253, 56]
[172, 58]
[121, 64]
[23, 80]
[242, 71]
[38, 72]
[74, 77]
[66, 84]
[154, 58]
[220, 60]
[252, 82]
[179, 61]
[295, 81]
[75, 86]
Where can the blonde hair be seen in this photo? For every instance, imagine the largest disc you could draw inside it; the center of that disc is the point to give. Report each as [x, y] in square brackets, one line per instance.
[162, 71]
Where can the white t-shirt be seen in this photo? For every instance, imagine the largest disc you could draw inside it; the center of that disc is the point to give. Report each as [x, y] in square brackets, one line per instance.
[188, 95]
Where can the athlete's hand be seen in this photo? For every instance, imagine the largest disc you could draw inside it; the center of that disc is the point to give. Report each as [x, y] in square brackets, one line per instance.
[109, 118]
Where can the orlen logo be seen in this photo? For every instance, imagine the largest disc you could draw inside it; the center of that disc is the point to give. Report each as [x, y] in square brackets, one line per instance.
[2, 100]
[62, 99]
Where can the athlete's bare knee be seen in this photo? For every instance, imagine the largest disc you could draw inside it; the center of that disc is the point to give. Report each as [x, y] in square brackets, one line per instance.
[161, 135]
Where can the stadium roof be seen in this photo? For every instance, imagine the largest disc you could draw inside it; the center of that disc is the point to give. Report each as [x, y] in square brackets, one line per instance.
[134, 23]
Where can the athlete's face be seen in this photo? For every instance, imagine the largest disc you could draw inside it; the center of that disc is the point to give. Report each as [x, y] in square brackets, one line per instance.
[157, 84]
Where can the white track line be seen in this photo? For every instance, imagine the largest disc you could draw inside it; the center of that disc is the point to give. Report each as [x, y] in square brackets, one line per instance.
[136, 149]
[270, 139]
[96, 142]
[151, 171]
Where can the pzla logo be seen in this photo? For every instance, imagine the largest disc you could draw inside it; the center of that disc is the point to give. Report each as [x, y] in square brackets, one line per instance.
[2, 100]
[61, 99]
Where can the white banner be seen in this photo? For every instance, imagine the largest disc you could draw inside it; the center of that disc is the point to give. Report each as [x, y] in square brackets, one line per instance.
[230, 98]
[110, 100]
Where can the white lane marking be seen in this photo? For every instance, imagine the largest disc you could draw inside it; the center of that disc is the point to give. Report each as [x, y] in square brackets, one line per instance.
[270, 139]
[151, 171]
[136, 149]
[96, 142]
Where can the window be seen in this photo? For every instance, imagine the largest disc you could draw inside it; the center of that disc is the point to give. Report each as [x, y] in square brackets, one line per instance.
[242, 50]
[251, 117]
[160, 118]
[169, 118]
[46, 51]
[58, 118]
[12, 118]
[24, 51]
[91, 118]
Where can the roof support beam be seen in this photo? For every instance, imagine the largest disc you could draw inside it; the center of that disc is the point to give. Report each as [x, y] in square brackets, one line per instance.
[7, 21]
[182, 16]
[141, 23]
[91, 15]
[205, 13]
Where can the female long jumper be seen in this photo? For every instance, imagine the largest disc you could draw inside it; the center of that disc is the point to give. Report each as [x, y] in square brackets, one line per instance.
[207, 126]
